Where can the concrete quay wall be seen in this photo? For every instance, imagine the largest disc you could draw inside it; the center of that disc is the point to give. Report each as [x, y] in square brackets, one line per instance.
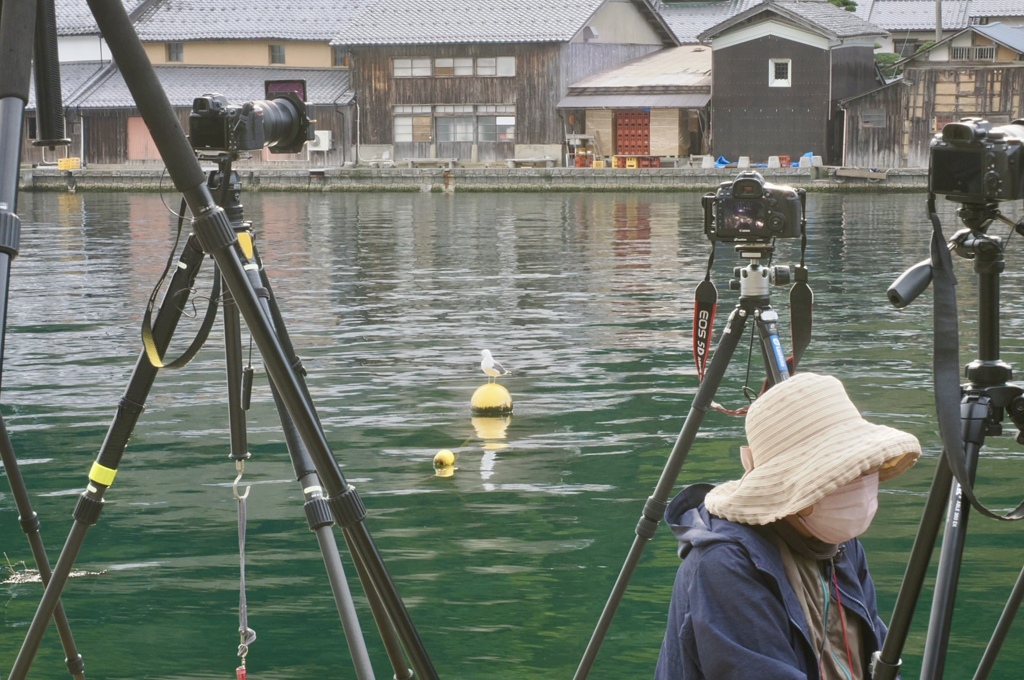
[151, 178]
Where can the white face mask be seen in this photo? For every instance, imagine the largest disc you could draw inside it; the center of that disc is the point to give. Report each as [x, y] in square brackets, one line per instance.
[845, 513]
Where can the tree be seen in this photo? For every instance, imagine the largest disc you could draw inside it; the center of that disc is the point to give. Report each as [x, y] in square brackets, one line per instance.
[848, 5]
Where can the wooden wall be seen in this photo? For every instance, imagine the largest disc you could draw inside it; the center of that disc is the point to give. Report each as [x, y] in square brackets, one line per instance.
[543, 75]
[916, 107]
[749, 118]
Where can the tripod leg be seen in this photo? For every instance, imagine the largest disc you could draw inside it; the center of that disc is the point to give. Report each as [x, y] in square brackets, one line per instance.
[103, 471]
[974, 413]
[18, 18]
[1001, 630]
[318, 513]
[655, 506]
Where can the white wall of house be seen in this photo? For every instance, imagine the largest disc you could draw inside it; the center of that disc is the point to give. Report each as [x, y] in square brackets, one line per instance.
[82, 48]
[619, 22]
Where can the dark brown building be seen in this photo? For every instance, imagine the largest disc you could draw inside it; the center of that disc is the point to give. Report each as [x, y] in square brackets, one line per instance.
[779, 71]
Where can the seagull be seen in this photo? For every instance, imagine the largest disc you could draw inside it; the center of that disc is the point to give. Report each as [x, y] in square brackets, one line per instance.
[491, 367]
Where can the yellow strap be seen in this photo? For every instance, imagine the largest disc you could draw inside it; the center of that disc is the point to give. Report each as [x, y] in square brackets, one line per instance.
[102, 474]
[245, 243]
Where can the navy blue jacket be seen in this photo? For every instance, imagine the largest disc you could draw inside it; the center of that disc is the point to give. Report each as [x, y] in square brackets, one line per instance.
[733, 614]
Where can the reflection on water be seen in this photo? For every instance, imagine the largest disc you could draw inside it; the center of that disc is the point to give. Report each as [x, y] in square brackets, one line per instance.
[389, 300]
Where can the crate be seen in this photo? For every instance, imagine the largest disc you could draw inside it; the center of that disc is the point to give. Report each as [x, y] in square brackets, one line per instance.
[72, 163]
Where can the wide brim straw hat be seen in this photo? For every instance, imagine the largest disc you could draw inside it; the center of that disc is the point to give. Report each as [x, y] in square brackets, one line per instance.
[806, 440]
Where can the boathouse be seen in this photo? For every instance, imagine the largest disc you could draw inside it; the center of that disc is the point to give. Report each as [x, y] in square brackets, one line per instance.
[459, 81]
[779, 70]
[978, 71]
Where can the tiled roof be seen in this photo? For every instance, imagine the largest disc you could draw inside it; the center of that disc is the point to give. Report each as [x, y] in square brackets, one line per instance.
[997, 8]
[73, 75]
[1010, 36]
[690, 19]
[75, 18]
[688, 66]
[238, 83]
[817, 15]
[394, 22]
[246, 19]
[914, 15]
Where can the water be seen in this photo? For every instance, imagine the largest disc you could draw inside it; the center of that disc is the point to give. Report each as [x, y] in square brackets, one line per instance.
[506, 565]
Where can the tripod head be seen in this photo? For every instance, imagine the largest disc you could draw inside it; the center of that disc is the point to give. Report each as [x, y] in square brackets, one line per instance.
[755, 280]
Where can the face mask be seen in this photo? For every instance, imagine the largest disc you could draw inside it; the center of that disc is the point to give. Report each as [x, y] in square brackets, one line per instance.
[845, 513]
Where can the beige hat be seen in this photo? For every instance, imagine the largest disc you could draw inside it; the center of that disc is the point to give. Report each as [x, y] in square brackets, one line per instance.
[806, 440]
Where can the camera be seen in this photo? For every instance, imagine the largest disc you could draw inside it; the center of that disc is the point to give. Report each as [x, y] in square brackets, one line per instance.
[279, 122]
[751, 210]
[974, 162]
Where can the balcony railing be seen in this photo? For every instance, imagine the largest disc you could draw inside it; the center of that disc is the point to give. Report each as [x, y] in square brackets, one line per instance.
[985, 53]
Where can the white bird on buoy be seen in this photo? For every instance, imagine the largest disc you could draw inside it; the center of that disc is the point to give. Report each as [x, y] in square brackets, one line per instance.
[491, 367]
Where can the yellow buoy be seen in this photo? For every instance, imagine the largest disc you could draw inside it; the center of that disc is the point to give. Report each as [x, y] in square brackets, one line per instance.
[491, 399]
[444, 463]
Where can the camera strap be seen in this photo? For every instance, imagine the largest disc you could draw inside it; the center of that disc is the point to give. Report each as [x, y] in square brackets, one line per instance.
[705, 303]
[946, 367]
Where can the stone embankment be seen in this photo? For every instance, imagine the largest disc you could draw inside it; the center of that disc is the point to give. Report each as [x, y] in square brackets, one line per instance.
[264, 178]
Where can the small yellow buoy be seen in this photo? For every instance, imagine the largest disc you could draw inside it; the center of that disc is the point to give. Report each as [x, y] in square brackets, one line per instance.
[491, 399]
[444, 463]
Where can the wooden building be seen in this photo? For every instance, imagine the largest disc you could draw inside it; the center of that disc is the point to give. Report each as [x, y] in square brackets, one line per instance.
[779, 70]
[652, 108]
[480, 81]
[978, 71]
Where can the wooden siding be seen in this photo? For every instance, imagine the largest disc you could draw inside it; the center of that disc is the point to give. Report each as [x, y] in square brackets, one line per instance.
[543, 75]
[916, 107]
[749, 118]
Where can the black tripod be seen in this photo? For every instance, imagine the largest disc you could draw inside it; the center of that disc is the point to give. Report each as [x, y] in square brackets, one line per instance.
[755, 287]
[20, 18]
[214, 234]
[983, 401]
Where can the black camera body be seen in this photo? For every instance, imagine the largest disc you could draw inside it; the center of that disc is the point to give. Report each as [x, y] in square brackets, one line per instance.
[974, 162]
[751, 210]
[280, 123]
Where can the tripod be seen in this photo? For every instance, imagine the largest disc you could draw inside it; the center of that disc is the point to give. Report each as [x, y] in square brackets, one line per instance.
[20, 18]
[984, 399]
[754, 301]
[215, 234]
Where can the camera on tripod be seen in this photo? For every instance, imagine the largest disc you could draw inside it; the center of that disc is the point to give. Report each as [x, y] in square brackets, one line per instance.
[974, 162]
[279, 122]
[751, 210]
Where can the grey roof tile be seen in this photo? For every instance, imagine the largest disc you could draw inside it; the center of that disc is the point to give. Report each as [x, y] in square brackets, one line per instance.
[75, 18]
[182, 20]
[391, 22]
[238, 83]
[818, 15]
[73, 75]
[1011, 36]
[690, 19]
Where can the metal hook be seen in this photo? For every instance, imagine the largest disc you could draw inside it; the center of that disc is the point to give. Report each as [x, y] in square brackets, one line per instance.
[240, 466]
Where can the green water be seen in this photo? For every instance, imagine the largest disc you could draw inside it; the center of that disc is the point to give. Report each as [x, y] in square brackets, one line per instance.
[389, 299]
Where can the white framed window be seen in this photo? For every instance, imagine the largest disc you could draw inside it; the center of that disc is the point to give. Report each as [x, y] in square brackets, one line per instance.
[455, 129]
[780, 73]
[487, 66]
[506, 66]
[497, 128]
[872, 118]
[411, 68]
[413, 124]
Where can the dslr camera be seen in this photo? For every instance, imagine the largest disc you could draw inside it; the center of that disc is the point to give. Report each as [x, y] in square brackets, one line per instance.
[751, 210]
[279, 122]
[974, 162]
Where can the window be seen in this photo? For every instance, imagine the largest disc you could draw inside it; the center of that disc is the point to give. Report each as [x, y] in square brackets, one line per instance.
[455, 129]
[408, 68]
[497, 128]
[872, 118]
[277, 54]
[486, 66]
[175, 51]
[506, 66]
[410, 127]
[780, 72]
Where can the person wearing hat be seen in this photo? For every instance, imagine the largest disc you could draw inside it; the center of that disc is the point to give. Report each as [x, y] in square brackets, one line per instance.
[774, 583]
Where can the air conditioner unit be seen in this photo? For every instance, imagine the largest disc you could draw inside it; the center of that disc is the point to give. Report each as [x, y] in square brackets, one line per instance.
[321, 142]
